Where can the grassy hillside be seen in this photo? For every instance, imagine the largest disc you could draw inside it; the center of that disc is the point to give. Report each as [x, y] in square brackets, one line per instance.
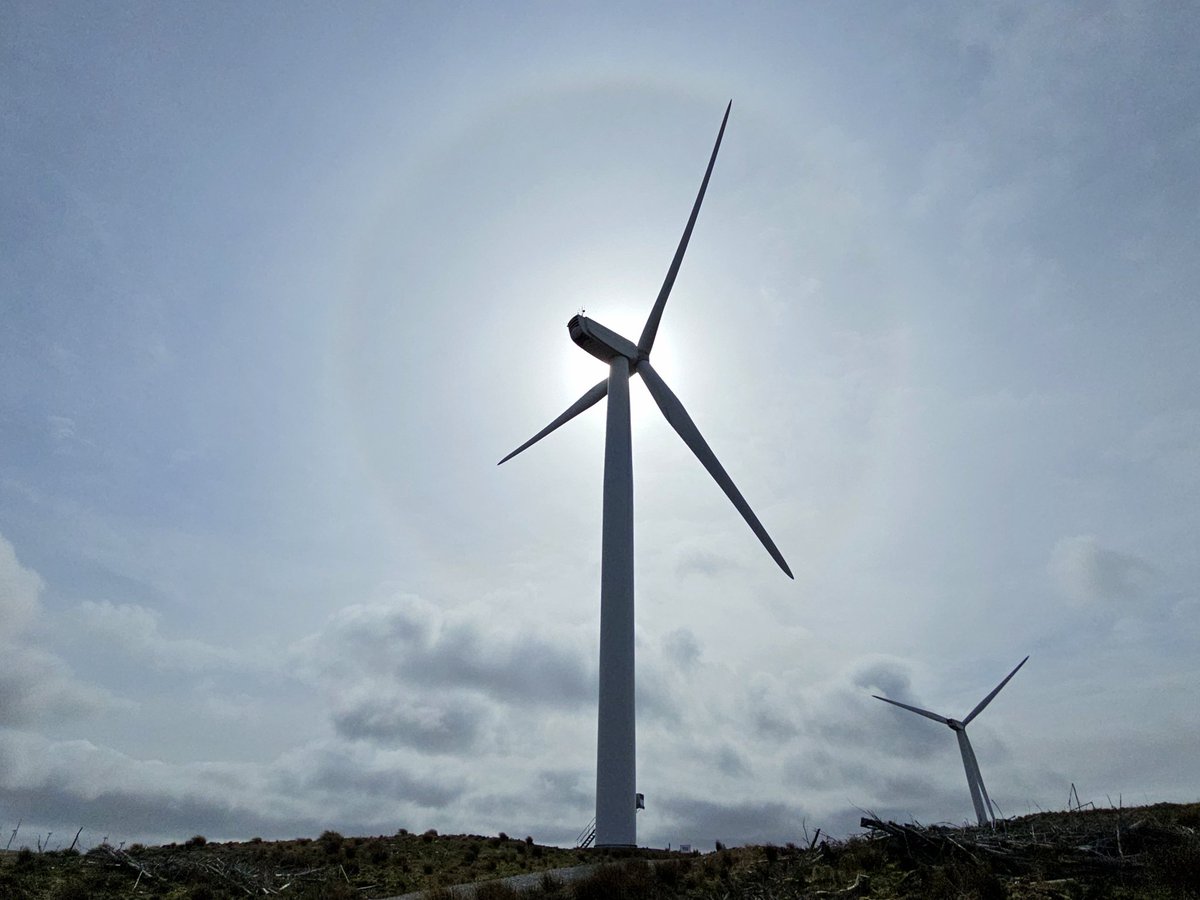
[330, 866]
[1143, 852]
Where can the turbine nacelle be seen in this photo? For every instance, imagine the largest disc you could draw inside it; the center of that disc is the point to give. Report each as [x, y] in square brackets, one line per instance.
[603, 343]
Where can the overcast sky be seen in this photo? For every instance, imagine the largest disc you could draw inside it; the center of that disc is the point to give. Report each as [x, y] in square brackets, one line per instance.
[280, 283]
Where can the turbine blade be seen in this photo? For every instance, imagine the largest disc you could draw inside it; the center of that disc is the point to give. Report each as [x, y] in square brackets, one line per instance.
[674, 412]
[646, 341]
[920, 712]
[988, 699]
[591, 398]
[974, 779]
[987, 801]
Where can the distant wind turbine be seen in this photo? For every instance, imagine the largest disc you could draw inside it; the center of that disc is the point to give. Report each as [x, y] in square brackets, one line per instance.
[616, 790]
[979, 794]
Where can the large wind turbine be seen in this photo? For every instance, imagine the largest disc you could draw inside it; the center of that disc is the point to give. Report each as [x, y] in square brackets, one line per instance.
[979, 794]
[616, 823]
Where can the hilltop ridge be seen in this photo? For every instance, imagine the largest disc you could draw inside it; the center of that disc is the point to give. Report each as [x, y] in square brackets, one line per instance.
[1099, 854]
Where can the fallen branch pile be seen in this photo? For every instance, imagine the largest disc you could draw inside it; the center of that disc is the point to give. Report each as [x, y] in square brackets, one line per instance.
[1079, 844]
[189, 866]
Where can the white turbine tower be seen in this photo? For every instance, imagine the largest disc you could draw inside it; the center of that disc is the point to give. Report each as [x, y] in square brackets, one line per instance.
[979, 794]
[616, 789]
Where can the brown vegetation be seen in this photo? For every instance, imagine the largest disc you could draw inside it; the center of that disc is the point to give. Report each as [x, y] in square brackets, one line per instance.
[1116, 854]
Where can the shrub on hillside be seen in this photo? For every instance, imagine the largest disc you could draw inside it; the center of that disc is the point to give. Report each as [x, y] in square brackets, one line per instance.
[631, 880]
[331, 842]
[496, 890]
[378, 853]
[1176, 869]
[671, 872]
[71, 889]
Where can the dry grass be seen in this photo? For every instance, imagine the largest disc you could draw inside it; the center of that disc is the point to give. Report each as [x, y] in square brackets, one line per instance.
[1147, 852]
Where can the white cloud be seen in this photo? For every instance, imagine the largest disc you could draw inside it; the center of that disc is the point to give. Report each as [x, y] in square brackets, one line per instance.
[1168, 443]
[313, 787]
[681, 648]
[135, 630]
[511, 696]
[451, 723]
[1089, 574]
[62, 428]
[409, 642]
[36, 686]
[19, 591]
